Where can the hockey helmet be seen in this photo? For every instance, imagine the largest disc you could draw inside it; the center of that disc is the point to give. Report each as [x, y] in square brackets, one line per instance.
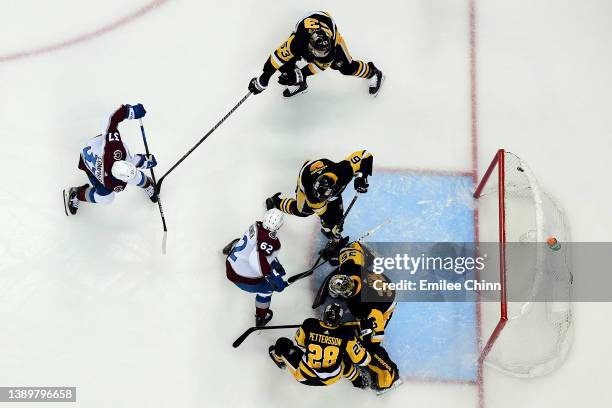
[323, 187]
[332, 314]
[319, 43]
[273, 219]
[341, 285]
[124, 171]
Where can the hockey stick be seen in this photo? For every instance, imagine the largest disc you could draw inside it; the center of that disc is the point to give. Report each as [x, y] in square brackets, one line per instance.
[159, 204]
[309, 272]
[322, 292]
[298, 276]
[161, 180]
[250, 330]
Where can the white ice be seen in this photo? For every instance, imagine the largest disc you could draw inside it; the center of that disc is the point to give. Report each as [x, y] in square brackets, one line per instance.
[90, 301]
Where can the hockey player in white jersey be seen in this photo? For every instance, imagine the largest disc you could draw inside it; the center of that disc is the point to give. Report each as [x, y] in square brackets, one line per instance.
[252, 265]
[110, 166]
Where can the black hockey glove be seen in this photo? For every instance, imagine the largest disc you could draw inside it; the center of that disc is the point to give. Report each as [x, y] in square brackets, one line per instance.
[291, 78]
[361, 183]
[257, 85]
[274, 201]
[332, 250]
[366, 328]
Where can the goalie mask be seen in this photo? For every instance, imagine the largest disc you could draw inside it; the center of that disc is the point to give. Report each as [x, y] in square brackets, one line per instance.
[323, 187]
[319, 43]
[341, 285]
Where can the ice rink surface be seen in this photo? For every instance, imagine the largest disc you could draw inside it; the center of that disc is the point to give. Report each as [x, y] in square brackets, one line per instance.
[90, 301]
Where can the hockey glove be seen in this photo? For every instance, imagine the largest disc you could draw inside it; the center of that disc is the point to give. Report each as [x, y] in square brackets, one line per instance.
[277, 267]
[334, 233]
[332, 250]
[274, 201]
[257, 85]
[146, 161]
[136, 111]
[291, 78]
[366, 328]
[361, 183]
[276, 281]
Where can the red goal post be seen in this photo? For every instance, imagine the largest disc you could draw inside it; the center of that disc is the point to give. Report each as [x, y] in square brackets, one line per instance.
[531, 335]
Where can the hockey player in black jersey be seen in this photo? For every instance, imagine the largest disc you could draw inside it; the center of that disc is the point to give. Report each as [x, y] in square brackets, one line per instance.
[319, 191]
[324, 351]
[315, 40]
[348, 284]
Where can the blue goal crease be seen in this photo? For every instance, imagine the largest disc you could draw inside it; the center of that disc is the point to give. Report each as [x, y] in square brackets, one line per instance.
[428, 340]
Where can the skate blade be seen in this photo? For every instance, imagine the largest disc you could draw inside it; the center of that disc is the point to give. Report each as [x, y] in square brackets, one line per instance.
[392, 387]
[304, 92]
[382, 81]
[65, 197]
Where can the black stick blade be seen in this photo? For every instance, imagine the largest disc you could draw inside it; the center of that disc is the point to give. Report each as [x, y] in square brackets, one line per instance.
[243, 337]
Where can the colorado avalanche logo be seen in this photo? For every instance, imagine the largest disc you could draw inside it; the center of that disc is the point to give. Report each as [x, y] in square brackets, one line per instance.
[117, 155]
[118, 189]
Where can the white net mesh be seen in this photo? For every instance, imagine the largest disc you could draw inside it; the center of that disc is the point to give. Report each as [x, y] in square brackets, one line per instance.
[538, 334]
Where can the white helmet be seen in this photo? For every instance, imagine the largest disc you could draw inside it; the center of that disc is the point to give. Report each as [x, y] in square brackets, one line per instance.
[273, 220]
[123, 170]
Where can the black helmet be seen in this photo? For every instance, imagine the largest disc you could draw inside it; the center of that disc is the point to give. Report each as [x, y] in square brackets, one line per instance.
[323, 187]
[332, 314]
[319, 44]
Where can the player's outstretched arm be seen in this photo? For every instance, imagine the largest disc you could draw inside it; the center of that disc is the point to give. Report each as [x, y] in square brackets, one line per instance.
[284, 54]
[361, 163]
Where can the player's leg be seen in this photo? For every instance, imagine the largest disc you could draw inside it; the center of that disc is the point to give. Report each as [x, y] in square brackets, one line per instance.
[330, 219]
[71, 199]
[285, 354]
[348, 66]
[331, 228]
[263, 313]
[353, 374]
[263, 294]
[286, 205]
[145, 182]
[382, 369]
[95, 193]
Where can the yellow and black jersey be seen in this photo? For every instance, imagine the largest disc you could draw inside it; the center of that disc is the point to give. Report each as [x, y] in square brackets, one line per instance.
[352, 261]
[296, 46]
[329, 352]
[342, 173]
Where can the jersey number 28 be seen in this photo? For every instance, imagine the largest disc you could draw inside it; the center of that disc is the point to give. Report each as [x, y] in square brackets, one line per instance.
[319, 356]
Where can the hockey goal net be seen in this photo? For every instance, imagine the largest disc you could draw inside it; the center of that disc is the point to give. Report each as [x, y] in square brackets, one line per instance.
[530, 333]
